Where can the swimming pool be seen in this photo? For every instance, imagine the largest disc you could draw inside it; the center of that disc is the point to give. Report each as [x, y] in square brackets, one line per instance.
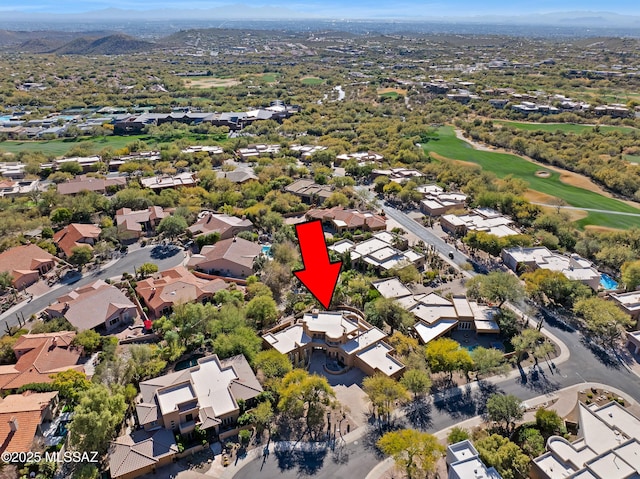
[607, 282]
[266, 249]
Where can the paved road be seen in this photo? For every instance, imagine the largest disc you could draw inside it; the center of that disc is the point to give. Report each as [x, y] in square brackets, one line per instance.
[425, 235]
[124, 264]
[588, 209]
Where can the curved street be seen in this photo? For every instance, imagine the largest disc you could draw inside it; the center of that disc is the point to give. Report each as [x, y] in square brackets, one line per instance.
[356, 459]
[125, 264]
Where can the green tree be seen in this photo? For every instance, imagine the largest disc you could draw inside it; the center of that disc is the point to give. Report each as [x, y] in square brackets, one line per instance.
[544, 285]
[61, 216]
[6, 280]
[96, 419]
[457, 434]
[603, 319]
[86, 471]
[147, 269]
[526, 341]
[384, 310]
[531, 441]
[273, 364]
[446, 355]
[415, 453]
[305, 396]
[89, 340]
[172, 226]
[145, 362]
[505, 410]
[549, 422]
[80, 255]
[263, 415]
[631, 275]
[504, 455]
[262, 311]
[204, 240]
[70, 384]
[407, 274]
[497, 287]
[417, 381]
[488, 361]
[384, 393]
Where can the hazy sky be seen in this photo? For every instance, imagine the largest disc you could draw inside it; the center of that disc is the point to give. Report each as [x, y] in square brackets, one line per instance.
[341, 9]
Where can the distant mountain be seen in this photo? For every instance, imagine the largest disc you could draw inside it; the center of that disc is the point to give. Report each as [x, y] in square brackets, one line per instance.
[110, 45]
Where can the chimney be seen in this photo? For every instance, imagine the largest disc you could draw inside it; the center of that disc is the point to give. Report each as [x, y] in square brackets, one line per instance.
[153, 293]
[13, 424]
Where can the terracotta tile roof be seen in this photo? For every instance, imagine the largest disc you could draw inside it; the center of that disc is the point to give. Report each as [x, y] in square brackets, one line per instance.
[350, 218]
[25, 411]
[236, 250]
[39, 356]
[130, 220]
[25, 259]
[140, 449]
[212, 223]
[176, 285]
[70, 236]
[92, 305]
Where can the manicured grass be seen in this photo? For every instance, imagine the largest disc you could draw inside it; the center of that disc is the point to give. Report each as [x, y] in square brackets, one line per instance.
[390, 94]
[269, 77]
[61, 146]
[564, 127]
[312, 81]
[632, 158]
[448, 145]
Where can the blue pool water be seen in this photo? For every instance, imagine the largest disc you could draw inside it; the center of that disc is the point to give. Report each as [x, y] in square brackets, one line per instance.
[5, 118]
[266, 249]
[471, 348]
[607, 282]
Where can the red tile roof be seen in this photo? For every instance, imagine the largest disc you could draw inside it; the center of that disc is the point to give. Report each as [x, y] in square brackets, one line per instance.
[24, 260]
[72, 235]
[25, 412]
[39, 356]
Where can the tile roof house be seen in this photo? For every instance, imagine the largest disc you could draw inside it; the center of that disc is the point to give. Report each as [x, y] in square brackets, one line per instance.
[86, 183]
[76, 234]
[239, 175]
[232, 257]
[206, 395]
[39, 356]
[26, 264]
[342, 335]
[132, 224]
[21, 418]
[342, 219]
[227, 226]
[141, 452]
[97, 306]
[178, 285]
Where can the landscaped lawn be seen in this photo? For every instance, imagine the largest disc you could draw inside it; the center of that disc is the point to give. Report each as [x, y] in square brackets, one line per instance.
[390, 94]
[564, 127]
[269, 77]
[502, 164]
[62, 146]
[312, 81]
[632, 158]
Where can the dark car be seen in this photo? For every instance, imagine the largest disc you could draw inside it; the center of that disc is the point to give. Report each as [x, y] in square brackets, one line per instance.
[451, 254]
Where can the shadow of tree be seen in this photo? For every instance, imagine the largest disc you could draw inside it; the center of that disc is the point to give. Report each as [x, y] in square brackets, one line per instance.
[308, 461]
[418, 413]
[456, 402]
[537, 380]
[605, 357]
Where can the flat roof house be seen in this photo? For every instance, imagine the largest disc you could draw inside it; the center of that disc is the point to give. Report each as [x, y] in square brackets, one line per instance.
[573, 266]
[76, 234]
[342, 335]
[98, 306]
[38, 357]
[481, 219]
[310, 191]
[227, 226]
[628, 302]
[177, 285]
[161, 182]
[232, 257]
[608, 447]
[26, 264]
[463, 462]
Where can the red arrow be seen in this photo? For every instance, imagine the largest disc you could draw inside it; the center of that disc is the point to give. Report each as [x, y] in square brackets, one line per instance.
[318, 275]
